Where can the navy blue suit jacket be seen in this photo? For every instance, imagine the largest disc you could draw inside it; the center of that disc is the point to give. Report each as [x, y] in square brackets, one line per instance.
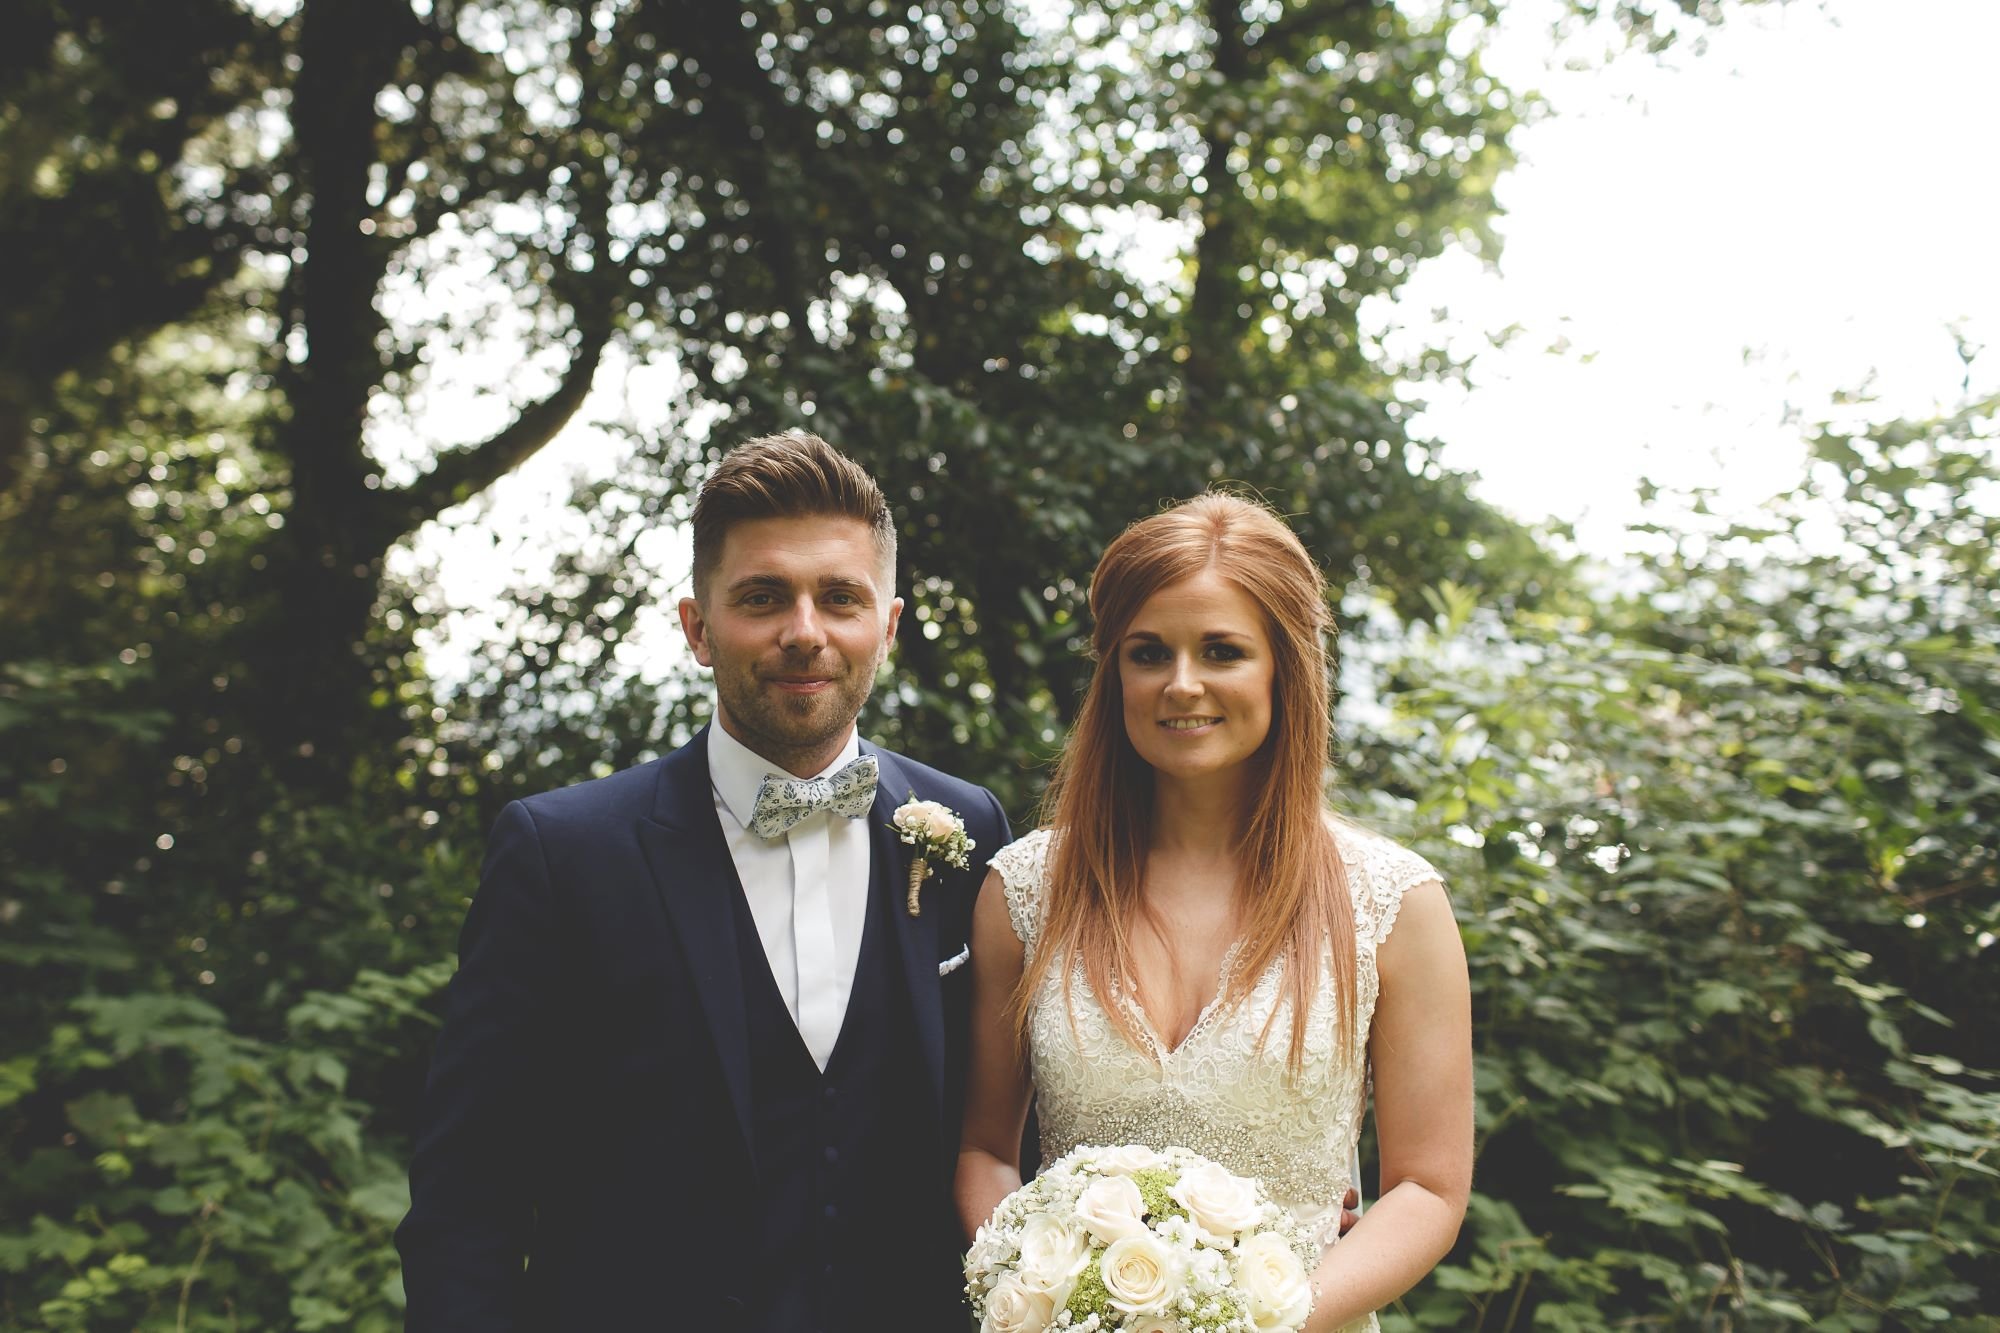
[585, 1152]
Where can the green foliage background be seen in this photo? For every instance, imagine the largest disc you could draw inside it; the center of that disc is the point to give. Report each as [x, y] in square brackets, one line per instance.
[1722, 845]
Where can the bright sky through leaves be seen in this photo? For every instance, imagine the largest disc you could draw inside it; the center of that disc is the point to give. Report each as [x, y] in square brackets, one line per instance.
[1709, 240]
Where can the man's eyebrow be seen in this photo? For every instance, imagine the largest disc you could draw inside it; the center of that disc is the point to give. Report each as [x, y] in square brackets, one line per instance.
[778, 583]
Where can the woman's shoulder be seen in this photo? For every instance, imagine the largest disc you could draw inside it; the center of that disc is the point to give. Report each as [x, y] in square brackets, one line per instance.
[1380, 871]
[1023, 866]
[1023, 860]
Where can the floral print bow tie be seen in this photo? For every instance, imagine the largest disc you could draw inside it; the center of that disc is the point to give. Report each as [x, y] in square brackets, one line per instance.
[783, 802]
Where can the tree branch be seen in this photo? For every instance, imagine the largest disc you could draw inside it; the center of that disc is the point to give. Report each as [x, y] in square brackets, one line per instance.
[463, 473]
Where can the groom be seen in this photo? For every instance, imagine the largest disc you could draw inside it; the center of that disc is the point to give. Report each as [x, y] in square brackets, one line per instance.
[701, 1066]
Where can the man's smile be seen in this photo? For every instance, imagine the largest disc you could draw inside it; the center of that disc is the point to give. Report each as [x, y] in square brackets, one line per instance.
[801, 684]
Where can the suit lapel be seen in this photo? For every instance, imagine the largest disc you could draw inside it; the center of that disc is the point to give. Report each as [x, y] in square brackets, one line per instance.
[695, 876]
[916, 936]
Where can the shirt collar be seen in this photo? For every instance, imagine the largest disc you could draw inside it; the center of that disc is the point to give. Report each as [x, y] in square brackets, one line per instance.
[736, 771]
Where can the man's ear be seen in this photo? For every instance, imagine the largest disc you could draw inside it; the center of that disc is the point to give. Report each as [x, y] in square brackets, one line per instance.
[695, 626]
[895, 619]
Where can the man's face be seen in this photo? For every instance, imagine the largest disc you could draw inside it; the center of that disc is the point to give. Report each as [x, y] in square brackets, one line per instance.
[795, 620]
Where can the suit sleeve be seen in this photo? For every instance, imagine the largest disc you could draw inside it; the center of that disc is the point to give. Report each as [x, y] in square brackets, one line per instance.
[482, 1128]
[999, 822]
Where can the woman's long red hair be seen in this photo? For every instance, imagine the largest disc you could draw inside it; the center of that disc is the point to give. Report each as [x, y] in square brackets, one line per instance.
[1292, 893]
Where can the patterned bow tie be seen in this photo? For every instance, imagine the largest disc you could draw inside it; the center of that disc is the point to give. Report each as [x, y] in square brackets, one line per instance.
[783, 802]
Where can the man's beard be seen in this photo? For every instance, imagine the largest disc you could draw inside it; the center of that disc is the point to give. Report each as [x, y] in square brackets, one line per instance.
[787, 725]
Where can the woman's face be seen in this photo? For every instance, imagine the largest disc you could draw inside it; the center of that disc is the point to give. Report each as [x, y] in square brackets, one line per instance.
[1196, 668]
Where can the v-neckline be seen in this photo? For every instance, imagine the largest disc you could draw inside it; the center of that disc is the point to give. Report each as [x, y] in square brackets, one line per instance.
[1223, 971]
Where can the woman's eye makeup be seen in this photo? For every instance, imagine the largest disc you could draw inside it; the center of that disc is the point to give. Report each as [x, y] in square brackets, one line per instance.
[1150, 653]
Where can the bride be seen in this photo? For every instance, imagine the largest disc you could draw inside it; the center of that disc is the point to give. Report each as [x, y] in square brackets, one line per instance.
[1195, 952]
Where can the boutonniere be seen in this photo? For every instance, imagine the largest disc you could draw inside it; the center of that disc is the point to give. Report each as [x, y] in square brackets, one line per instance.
[935, 830]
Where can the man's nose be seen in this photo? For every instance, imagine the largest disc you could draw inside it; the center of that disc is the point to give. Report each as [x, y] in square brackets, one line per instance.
[802, 629]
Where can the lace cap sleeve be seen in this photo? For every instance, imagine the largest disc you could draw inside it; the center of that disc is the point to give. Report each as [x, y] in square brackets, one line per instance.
[1380, 872]
[1023, 866]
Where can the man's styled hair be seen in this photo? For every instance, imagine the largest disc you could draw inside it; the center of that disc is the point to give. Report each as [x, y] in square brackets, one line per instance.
[792, 475]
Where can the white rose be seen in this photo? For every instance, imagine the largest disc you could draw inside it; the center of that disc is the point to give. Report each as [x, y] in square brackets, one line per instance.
[1153, 1323]
[941, 822]
[1140, 1274]
[1013, 1307]
[1111, 1208]
[1124, 1161]
[1053, 1254]
[1270, 1275]
[1220, 1203]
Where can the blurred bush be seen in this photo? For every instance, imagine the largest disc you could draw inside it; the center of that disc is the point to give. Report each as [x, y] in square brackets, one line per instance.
[1725, 859]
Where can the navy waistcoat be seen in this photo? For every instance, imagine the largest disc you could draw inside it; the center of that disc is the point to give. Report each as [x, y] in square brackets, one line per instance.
[837, 1195]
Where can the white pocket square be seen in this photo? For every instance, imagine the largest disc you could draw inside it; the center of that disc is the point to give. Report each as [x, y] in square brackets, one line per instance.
[955, 962]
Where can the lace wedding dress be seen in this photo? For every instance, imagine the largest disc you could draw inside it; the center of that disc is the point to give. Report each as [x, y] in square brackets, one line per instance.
[1217, 1093]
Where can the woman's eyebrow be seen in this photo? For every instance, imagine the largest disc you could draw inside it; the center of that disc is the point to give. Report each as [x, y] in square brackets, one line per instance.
[1207, 635]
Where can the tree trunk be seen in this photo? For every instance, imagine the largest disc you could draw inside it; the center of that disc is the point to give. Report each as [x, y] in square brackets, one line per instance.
[1215, 326]
[315, 684]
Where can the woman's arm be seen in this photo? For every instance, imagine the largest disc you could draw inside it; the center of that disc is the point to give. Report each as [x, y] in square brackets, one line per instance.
[1421, 1048]
[996, 1082]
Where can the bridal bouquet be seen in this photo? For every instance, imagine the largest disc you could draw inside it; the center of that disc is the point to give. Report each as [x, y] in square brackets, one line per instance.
[1139, 1241]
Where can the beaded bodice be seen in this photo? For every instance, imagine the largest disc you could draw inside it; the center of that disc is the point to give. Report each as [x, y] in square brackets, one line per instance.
[1220, 1092]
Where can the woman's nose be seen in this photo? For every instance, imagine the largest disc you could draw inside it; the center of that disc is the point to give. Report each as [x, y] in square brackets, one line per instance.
[1183, 683]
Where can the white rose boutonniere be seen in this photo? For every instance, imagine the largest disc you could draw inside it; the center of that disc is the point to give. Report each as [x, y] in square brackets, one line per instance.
[935, 830]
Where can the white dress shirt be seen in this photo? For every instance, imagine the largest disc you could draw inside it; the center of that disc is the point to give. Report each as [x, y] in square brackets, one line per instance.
[808, 891]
